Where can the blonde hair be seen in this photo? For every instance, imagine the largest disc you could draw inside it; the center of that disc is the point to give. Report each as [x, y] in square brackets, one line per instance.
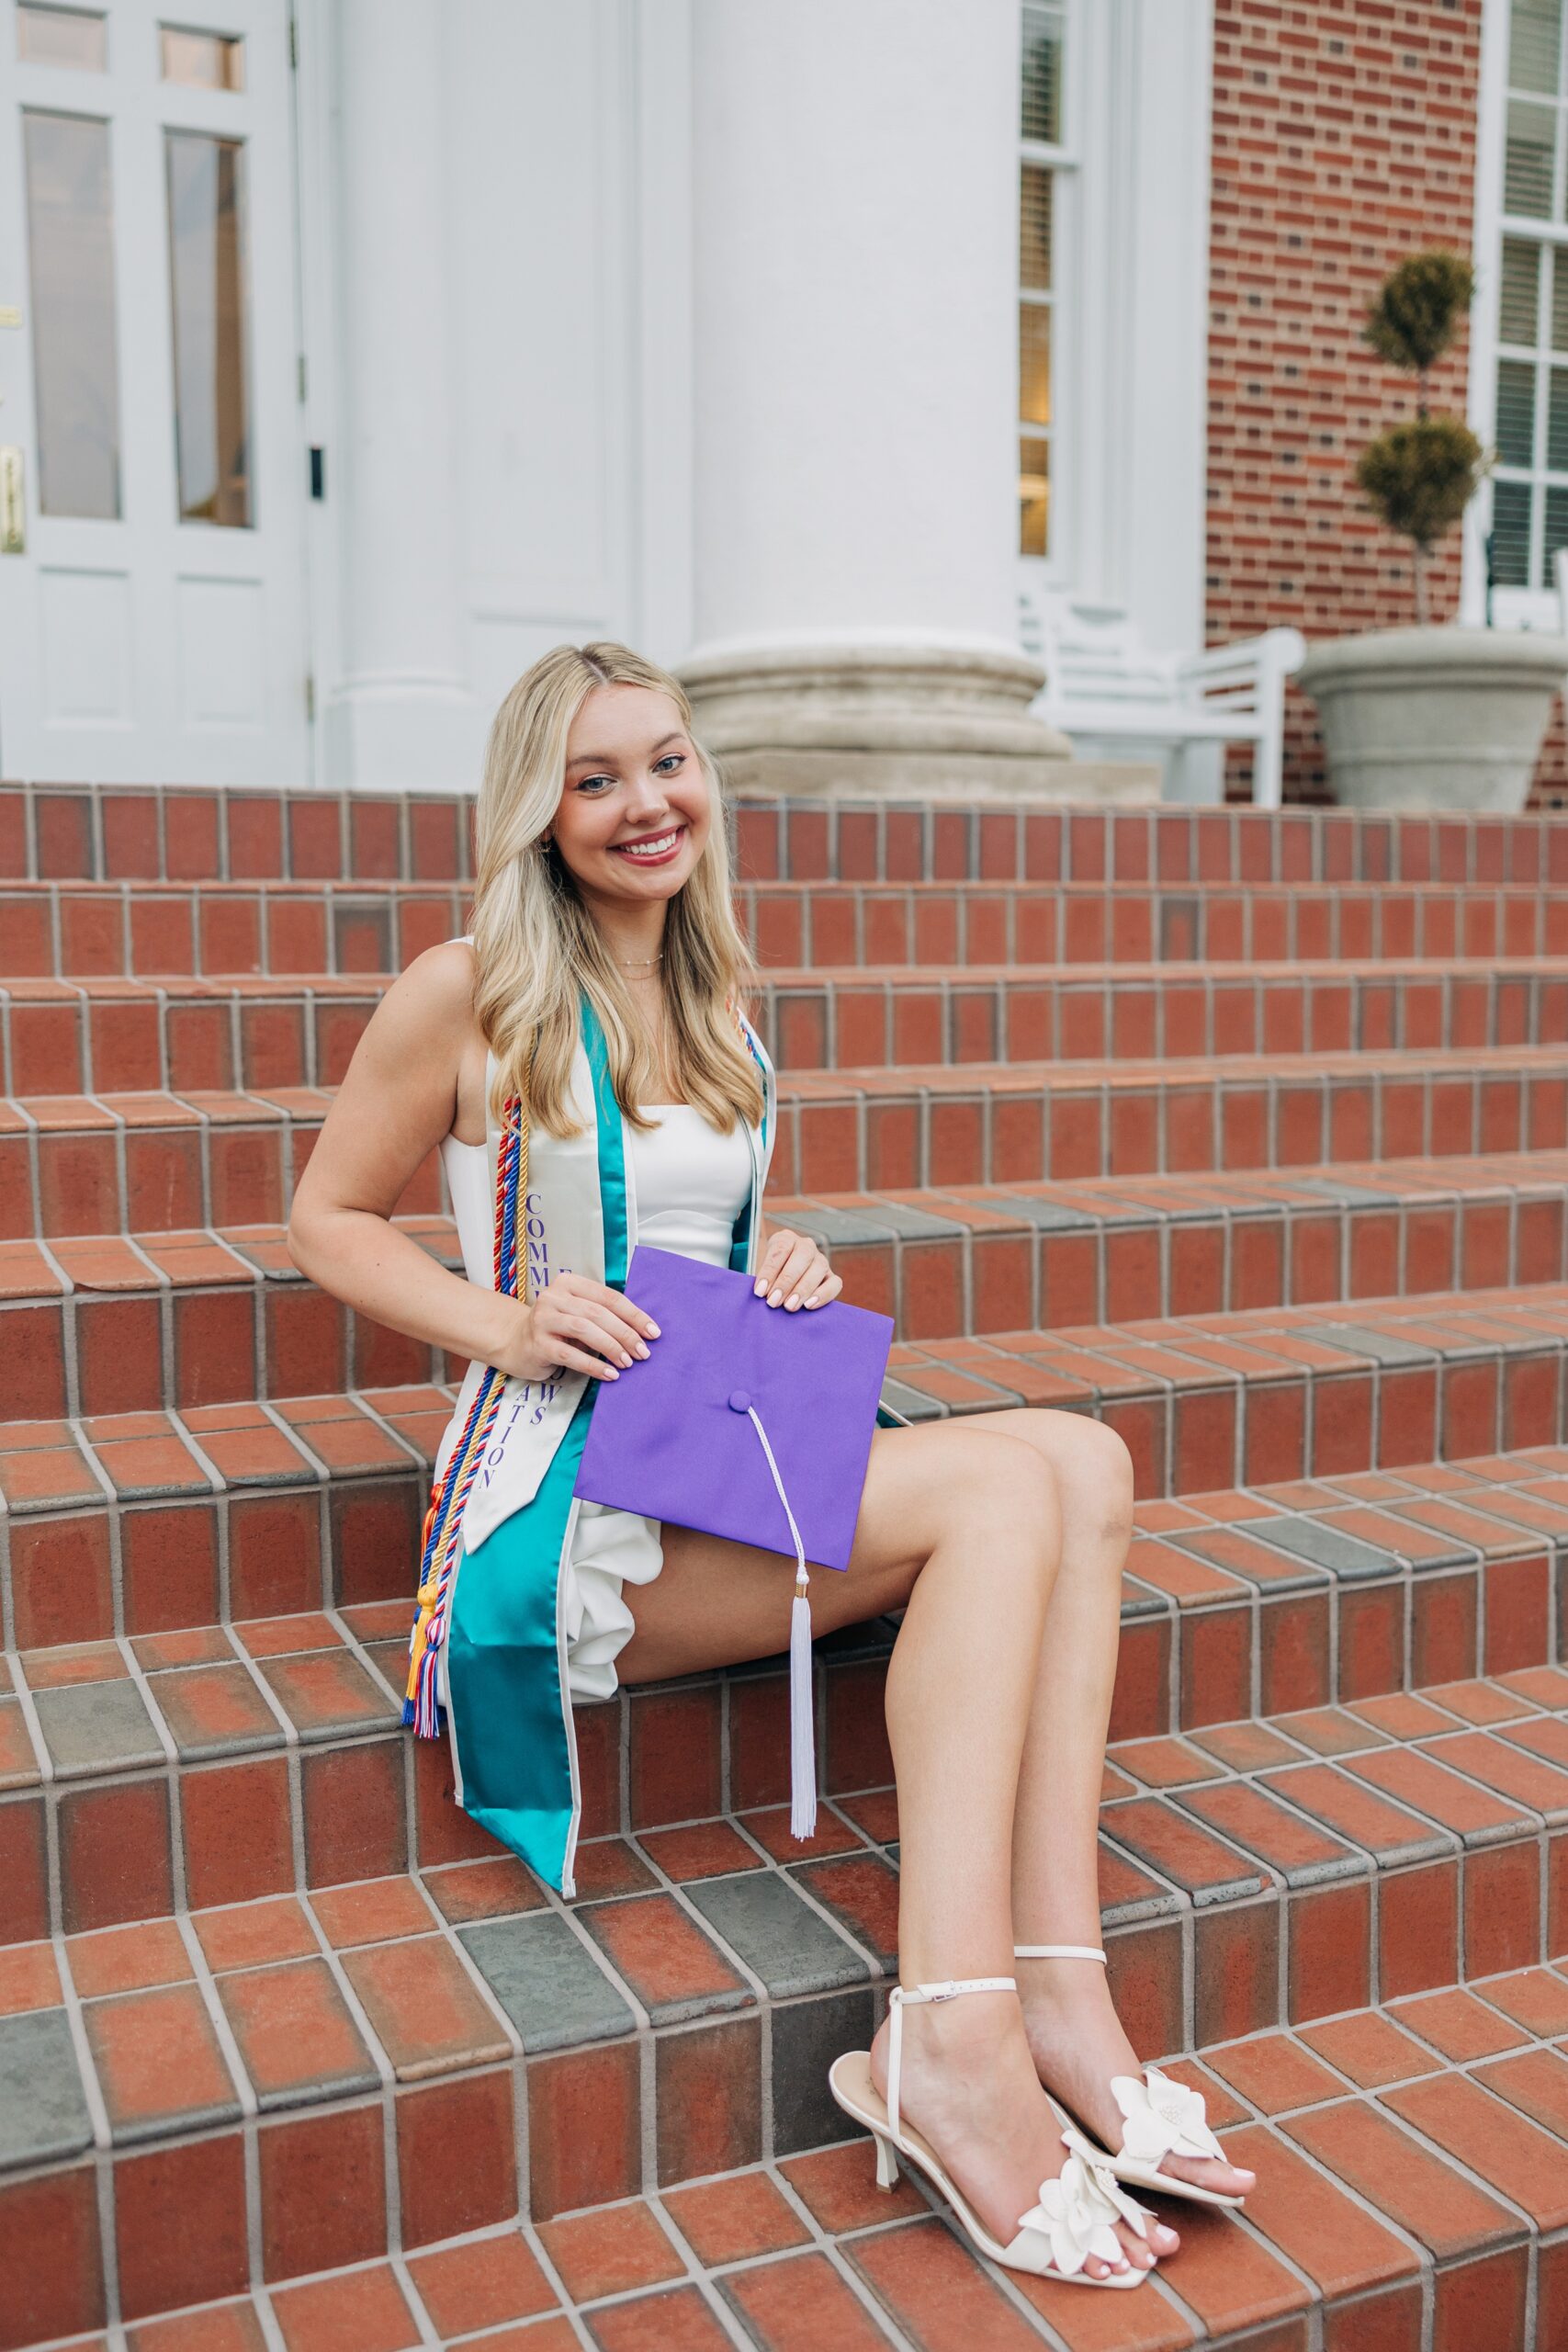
[536, 948]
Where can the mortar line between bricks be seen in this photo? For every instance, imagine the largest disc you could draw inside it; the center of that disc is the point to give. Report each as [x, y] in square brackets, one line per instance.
[103, 2136]
[387, 2098]
[1425, 2141]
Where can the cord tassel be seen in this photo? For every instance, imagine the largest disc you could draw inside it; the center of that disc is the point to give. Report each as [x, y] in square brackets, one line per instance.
[802, 1725]
[802, 1718]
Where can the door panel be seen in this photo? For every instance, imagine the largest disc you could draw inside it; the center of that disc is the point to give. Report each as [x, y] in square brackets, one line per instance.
[155, 625]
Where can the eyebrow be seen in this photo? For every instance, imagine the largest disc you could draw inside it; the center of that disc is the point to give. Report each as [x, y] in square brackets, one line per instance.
[607, 759]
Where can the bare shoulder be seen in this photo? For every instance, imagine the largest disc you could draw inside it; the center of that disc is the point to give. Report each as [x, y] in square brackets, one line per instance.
[435, 997]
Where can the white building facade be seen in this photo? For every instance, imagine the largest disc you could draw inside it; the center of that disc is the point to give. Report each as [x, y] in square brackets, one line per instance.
[353, 353]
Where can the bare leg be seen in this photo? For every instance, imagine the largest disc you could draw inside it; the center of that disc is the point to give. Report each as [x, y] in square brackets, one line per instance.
[960, 1523]
[1073, 2028]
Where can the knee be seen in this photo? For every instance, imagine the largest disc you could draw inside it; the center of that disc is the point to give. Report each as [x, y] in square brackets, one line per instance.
[1104, 1470]
[1008, 1488]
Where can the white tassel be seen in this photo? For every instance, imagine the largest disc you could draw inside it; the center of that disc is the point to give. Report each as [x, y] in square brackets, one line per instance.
[802, 1724]
[802, 1720]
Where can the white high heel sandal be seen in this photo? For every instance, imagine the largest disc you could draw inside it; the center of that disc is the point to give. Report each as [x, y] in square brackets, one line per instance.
[1076, 2218]
[1159, 2118]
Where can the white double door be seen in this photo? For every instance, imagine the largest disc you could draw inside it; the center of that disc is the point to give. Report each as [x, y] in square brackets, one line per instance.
[154, 480]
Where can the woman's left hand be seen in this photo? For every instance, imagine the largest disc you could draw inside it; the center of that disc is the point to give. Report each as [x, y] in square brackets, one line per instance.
[792, 1272]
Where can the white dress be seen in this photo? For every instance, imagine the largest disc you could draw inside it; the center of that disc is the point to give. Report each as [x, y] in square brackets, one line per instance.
[687, 1185]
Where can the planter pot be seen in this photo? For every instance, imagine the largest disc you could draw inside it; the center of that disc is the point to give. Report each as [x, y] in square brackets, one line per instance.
[1435, 718]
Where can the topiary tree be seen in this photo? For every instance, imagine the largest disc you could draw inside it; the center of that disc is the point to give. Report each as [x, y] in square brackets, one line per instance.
[1420, 475]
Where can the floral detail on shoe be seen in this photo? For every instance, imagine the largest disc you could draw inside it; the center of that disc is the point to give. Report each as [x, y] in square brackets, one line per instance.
[1078, 2211]
[1162, 2119]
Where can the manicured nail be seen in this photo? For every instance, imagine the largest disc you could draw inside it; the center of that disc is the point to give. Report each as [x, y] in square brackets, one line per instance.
[641, 1349]
[610, 1372]
[758, 1290]
[792, 1300]
[775, 1296]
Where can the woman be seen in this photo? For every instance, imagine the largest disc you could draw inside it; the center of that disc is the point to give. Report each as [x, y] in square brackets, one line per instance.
[600, 986]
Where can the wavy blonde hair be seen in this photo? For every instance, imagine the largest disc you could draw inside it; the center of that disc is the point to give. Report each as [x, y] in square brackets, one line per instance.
[536, 948]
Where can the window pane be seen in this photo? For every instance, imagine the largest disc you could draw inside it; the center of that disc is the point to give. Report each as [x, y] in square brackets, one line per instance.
[1515, 412]
[1534, 35]
[207, 238]
[61, 37]
[1517, 301]
[75, 368]
[1034, 362]
[1526, 160]
[1557, 421]
[1033, 497]
[1511, 534]
[1034, 227]
[1556, 520]
[205, 60]
[1042, 73]
[1559, 301]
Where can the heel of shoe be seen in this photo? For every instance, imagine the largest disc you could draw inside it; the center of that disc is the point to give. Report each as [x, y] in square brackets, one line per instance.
[887, 2162]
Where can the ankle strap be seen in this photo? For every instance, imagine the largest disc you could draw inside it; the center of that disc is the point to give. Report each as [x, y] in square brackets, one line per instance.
[1059, 1951]
[905, 1996]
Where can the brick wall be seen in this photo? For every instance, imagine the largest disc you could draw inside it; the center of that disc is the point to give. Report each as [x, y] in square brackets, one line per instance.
[1344, 137]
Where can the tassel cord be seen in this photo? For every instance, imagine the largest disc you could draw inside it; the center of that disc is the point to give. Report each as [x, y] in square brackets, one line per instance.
[802, 1714]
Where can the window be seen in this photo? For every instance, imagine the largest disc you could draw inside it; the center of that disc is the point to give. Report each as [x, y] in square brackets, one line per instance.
[70, 37]
[1041, 132]
[75, 362]
[1530, 497]
[206, 270]
[202, 61]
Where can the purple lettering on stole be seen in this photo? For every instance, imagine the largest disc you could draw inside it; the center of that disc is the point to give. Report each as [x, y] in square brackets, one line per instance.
[534, 1398]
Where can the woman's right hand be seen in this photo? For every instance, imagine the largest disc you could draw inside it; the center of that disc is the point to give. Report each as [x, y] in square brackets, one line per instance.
[583, 1325]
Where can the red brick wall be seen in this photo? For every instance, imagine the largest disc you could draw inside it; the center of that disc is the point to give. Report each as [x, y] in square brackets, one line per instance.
[1344, 137]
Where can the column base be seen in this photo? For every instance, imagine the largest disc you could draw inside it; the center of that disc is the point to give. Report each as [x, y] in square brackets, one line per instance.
[897, 721]
[403, 735]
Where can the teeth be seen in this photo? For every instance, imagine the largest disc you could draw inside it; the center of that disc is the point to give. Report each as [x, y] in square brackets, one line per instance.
[649, 849]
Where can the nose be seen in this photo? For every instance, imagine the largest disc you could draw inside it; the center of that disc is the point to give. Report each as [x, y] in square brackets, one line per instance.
[647, 799]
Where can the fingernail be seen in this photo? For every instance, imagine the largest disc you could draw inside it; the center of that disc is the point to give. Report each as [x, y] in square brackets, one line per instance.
[760, 1289]
[610, 1372]
[625, 1358]
[641, 1349]
[791, 1300]
[654, 1330]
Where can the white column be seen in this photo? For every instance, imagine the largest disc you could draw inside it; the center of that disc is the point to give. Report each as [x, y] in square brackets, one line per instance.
[855, 241]
[399, 715]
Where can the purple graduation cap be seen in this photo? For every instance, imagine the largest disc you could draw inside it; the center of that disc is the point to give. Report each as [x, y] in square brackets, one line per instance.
[748, 1423]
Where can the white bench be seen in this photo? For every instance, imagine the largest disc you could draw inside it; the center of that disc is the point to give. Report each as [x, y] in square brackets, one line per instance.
[1112, 696]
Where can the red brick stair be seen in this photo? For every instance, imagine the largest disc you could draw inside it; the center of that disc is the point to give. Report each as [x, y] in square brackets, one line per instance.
[291, 2055]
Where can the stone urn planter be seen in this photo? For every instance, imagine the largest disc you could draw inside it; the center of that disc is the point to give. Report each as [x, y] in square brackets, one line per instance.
[1425, 719]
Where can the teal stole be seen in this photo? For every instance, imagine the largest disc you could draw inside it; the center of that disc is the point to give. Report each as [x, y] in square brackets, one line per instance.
[508, 1707]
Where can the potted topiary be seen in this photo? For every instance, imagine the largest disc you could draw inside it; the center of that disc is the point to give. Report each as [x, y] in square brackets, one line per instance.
[1429, 718]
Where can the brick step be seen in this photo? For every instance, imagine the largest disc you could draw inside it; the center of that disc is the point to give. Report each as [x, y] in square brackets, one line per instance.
[81, 930]
[51, 832]
[106, 1324]
[991, 1258]
[999, 1123]
[154, 1162]
[1404, 2167]
[146, 1688]
[256, 2061]
[124, 1324]
[817, 1020]
[1276, 1393]
[68, 1038]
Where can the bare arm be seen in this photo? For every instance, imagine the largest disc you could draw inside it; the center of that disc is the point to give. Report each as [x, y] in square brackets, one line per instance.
[394, 1106]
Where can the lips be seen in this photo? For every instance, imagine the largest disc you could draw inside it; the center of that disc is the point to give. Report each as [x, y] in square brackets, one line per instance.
[655, 849]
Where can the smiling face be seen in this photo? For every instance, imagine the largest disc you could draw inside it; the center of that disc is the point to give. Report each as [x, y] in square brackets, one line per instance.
[635, 812]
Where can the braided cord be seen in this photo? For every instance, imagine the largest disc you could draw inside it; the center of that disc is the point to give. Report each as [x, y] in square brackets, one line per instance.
[441, 1538]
